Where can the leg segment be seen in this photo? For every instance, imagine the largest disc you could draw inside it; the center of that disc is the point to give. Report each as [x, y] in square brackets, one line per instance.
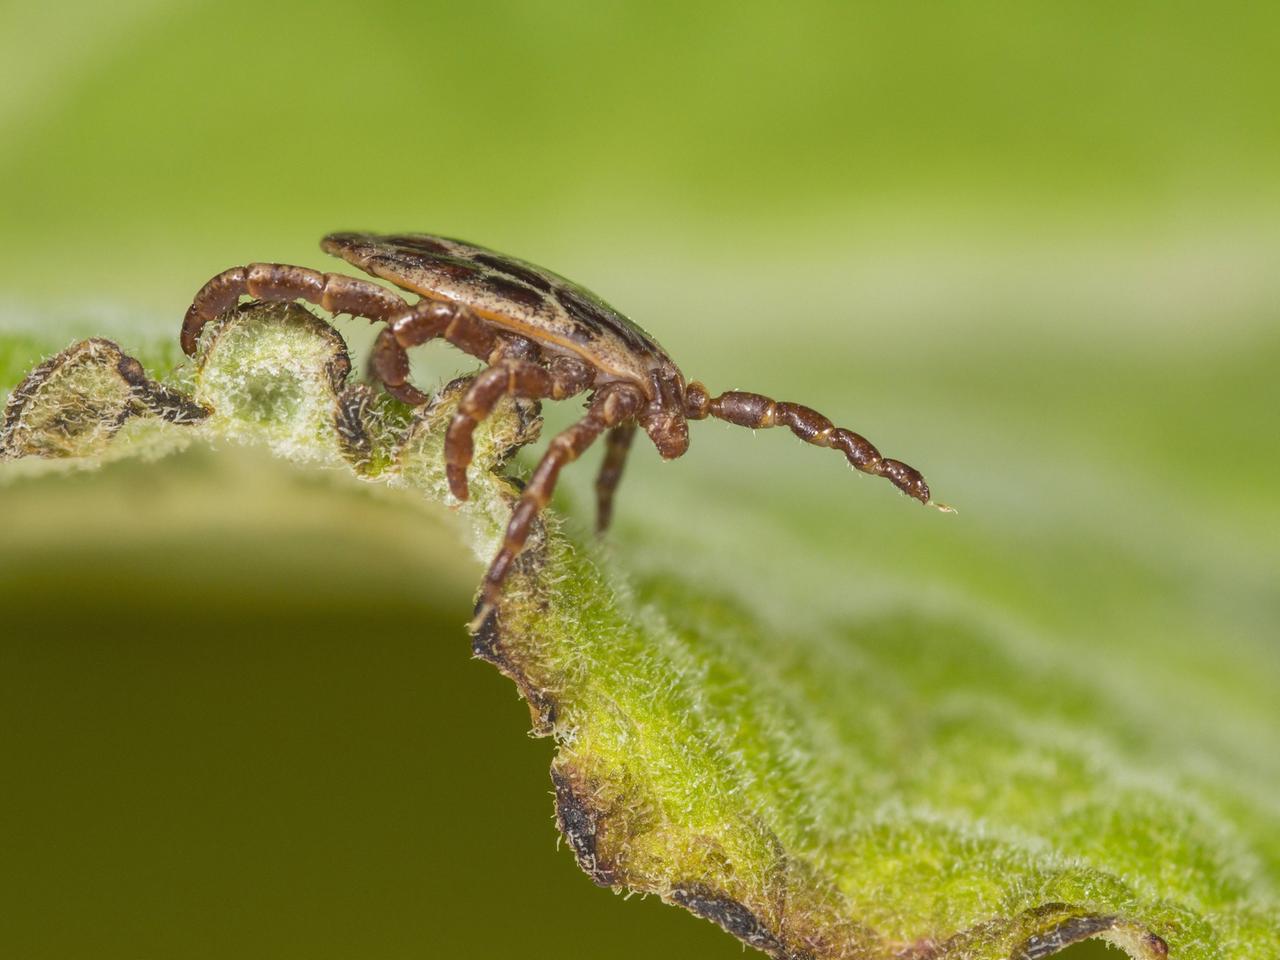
[614, 404]
[407, 325]
[756, 411]
[334, 292]
[426, 320]
[615, 458]
[563, 377]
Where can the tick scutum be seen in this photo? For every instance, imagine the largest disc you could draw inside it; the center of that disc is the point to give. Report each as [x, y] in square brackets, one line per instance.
[516, 270]
[512, 290]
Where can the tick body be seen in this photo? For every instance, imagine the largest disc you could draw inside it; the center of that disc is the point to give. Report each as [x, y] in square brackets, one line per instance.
[541, 337]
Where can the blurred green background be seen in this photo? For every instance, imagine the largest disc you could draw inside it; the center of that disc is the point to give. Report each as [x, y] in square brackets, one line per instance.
[1029, 248]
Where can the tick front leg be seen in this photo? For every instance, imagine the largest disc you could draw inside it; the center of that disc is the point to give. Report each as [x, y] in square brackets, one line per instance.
[334, 292]
[563, 377]
[615, 459]
[756, 411]
[614, 404]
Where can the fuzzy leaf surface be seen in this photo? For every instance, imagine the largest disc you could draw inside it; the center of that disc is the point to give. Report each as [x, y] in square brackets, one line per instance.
[863, 743]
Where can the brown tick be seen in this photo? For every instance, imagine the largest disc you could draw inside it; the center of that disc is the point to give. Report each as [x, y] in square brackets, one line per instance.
[543, 337]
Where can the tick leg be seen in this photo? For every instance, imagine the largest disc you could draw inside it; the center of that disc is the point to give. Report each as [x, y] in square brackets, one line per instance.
[562, 377]
[426, 320]
[615, 459]
[613, 405]
[334, 292]
[756, 411]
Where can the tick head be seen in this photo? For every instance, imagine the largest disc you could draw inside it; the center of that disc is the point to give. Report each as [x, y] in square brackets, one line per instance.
[668, 430]
[664, 420]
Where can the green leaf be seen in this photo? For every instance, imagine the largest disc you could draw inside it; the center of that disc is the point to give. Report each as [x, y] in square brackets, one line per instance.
[751, 725]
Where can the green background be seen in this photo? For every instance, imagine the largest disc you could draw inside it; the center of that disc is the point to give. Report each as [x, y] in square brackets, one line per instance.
[1028, 248]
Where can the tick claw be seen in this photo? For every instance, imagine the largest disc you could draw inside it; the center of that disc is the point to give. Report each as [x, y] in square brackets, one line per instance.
[457, 483]
[483, 612]
[941, 507]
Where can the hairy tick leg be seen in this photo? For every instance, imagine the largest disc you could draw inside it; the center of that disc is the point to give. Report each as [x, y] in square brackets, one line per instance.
[613, 405]
[522, 379]
[279, 282]
[615, 460]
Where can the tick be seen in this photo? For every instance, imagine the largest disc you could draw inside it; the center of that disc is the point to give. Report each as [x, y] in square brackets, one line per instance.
[542, 337]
